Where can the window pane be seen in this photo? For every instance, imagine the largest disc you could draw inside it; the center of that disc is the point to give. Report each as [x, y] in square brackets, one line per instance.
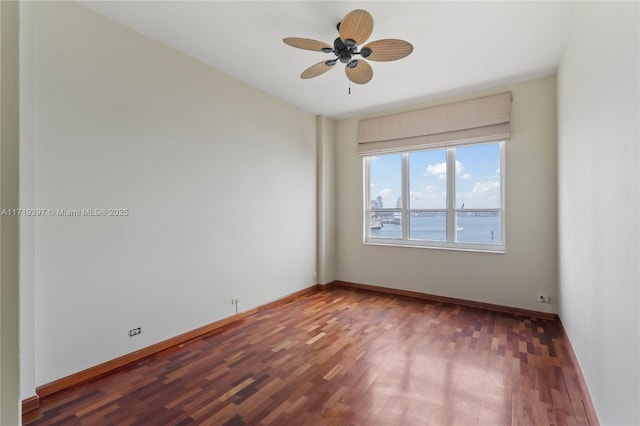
[428, 179]
[478, 227]
[430, 226]
[478, 176]
[385, 225]
[385, 181]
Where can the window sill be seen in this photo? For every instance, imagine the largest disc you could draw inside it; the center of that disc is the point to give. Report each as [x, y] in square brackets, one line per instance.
[476, 248]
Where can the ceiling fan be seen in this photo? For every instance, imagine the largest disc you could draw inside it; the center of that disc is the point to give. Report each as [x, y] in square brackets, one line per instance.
[354, 30]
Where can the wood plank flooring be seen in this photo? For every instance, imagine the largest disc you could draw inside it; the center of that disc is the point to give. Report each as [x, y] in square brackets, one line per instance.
[343, 357]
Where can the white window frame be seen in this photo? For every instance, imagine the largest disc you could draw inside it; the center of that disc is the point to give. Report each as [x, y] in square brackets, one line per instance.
[450, 210]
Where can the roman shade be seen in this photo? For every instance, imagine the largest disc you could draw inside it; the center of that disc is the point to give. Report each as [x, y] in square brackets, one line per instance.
[475, 120]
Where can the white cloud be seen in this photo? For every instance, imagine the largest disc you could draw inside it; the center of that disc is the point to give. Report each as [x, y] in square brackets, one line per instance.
[467, 176]
[385, 193]
[416, 195]
[430, 189]
[486, 188]
[440, 169]
[484, 194]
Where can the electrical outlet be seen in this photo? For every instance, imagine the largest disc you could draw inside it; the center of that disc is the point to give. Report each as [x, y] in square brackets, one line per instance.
[135, 332]
[543, 298]
[235, 300]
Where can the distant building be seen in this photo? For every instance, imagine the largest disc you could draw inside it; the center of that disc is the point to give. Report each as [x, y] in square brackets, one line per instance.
[377, 203]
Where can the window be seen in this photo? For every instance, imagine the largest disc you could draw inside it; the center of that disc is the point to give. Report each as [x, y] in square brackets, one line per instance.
[443, 198]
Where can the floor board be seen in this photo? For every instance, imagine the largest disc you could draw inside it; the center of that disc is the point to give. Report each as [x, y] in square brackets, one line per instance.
[343, 357]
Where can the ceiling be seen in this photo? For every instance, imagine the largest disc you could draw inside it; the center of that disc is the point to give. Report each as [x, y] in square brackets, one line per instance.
[458, 46]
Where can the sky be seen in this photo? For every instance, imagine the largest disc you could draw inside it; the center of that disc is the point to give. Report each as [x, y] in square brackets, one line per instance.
[477, 177]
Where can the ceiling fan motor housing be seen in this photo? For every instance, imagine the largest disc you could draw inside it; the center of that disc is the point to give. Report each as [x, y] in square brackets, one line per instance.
[344, 56]
[344, 50]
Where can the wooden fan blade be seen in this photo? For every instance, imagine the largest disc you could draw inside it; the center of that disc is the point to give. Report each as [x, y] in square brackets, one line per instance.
[388, 50]
[361, 74]
[357, 26]
[316, 70]
[306, 43]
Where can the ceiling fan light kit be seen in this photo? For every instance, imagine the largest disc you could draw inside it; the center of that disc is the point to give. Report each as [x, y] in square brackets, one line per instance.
[354, 30]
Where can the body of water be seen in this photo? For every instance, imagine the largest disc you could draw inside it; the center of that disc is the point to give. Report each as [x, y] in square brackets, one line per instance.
[469, 229]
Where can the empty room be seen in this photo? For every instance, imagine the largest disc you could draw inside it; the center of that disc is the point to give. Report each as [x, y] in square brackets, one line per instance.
[204, 222]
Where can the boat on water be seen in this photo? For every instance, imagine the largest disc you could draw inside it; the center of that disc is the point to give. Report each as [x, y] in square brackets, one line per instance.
[397, 218]
[375, 223]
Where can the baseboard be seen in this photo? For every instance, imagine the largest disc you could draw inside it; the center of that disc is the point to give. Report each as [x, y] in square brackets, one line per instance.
[130, 358]
[444, 299]
[30, 404]
[589, 408]
[328, 286]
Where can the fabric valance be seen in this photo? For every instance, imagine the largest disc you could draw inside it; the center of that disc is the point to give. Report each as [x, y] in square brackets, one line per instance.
[475, 120]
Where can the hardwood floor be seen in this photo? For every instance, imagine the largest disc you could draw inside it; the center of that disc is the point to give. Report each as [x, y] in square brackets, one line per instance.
[343, 357]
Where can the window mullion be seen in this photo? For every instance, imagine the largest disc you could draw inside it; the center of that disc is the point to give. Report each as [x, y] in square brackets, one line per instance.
[405, 196]
[503, 171]
[451, 195]
[367, 199]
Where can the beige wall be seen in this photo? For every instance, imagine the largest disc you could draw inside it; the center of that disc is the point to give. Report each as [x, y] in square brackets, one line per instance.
[326, 187]
[9, 121]
[599, 198]
[219, 179]
[512, 279]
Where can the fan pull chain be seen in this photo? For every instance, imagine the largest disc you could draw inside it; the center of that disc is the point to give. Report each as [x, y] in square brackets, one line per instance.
[349, 86]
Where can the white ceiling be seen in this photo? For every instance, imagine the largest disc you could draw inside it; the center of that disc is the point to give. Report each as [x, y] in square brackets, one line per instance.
[458, 46]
